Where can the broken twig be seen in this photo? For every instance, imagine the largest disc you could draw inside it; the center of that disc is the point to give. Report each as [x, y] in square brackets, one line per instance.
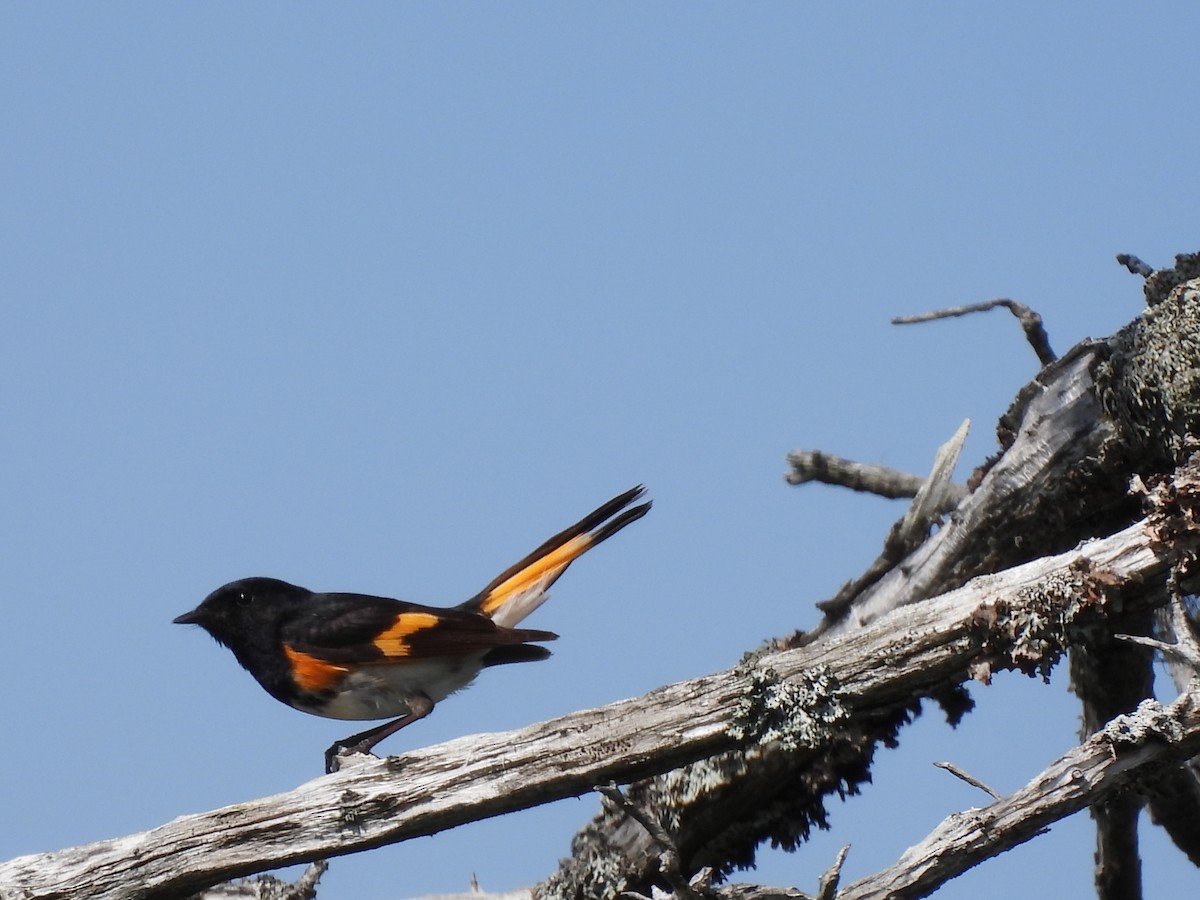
[828, 885]
[969, 779]
[1031, 322]
[867, 478]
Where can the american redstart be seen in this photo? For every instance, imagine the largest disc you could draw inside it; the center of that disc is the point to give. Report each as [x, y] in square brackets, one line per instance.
[354, 656]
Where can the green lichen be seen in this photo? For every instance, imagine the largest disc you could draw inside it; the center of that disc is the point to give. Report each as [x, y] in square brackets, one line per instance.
[795, 713]
[801, 713]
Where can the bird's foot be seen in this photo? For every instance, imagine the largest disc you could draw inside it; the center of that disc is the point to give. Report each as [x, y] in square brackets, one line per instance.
[340, 750]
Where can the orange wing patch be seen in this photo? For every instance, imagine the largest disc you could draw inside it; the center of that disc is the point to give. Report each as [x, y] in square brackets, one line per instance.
[549, 565]
[311, 673]
[392, 641]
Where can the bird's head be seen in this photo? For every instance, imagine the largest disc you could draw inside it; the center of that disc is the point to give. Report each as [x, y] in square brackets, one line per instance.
[241, 609]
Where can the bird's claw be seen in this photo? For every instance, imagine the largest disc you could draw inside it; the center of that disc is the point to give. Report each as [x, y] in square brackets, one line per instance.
[339, 750]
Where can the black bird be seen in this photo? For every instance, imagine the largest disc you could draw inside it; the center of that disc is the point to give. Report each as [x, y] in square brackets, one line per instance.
[355, 656]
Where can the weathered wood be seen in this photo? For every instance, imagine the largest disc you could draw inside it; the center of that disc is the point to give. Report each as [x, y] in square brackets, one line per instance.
[826, 468]
[375, 802]
[1110, 760]
[1031, 322]
[1005, 520]
[1151, 738]
[908, 653]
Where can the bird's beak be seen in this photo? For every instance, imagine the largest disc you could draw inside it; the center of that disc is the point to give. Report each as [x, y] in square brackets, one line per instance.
[188, 618]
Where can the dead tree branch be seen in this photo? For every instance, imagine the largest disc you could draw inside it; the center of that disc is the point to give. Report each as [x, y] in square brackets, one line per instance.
[828, 887]
[1031, 322]
[1072, 439]
[867, 478]
[375, 802]
[1150, 738]
[785, 788]
[923, 511]
[1070, 443]
[1135, 265]
[968, 778]
[912, 529]
[1015, 511]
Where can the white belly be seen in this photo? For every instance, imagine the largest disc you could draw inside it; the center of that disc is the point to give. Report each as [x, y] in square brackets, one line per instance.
[384, 691]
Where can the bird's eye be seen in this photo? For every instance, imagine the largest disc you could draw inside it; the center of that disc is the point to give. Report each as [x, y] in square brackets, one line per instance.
[243, 599]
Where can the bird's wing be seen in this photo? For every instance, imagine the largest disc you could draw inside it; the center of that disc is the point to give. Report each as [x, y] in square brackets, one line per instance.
[359, 628]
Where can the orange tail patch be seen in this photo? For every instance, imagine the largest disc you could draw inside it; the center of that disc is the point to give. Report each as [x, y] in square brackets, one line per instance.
[519, 590]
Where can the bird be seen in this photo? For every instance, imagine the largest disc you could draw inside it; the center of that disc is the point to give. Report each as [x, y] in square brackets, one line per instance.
[361, 657]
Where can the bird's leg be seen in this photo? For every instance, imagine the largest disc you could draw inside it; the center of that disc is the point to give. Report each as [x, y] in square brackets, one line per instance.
[419, 707]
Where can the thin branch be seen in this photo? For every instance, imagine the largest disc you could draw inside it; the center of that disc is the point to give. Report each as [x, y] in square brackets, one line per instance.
[639, 815]
[968, 778]
[1154, 736]
[867, 478]
[1135, 265]
[372, 802]
[669, 857]
[1185, 649]
[828, 885]
[1179, 652]
[1030, 321]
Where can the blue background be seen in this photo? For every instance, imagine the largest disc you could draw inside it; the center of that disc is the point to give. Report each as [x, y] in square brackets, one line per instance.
[377, 296]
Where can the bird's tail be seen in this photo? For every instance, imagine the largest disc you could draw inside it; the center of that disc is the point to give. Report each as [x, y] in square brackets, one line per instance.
[519, 590]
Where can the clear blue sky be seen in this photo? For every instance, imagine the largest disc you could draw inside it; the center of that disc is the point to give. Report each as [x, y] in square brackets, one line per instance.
[377, 296]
